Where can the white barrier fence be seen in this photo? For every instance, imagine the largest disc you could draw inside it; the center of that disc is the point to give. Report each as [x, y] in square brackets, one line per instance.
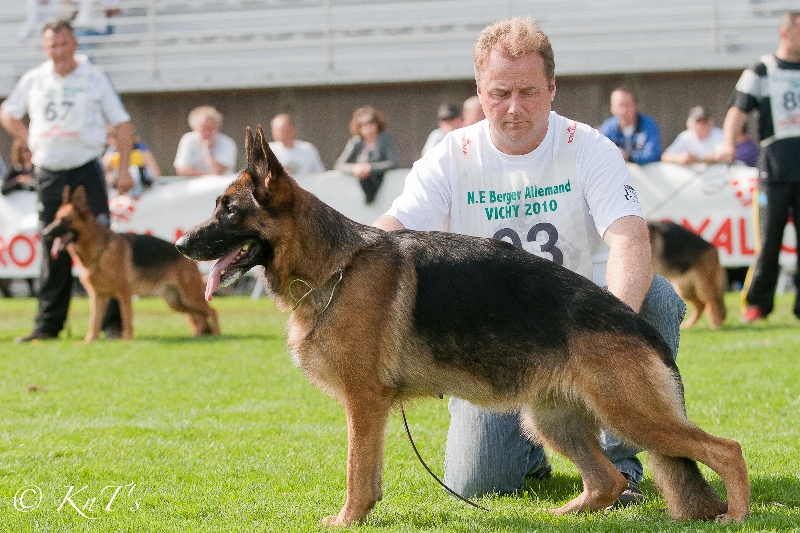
[713, 200]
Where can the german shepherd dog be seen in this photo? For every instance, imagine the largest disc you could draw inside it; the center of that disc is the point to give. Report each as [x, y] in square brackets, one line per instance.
[379, 318]
[121, 265]
[692, 265]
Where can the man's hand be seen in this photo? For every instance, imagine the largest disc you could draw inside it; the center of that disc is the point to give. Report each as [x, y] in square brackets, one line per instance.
[124, 180]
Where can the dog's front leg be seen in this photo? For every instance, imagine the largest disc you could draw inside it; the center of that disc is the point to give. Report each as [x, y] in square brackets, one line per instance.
[367, 415]
[125, 300]
[97, 308]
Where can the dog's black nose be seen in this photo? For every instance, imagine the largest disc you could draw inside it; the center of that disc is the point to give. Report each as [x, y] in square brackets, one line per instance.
[181, 244]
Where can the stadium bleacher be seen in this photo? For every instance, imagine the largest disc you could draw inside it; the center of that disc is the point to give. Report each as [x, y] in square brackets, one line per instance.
[175, 45]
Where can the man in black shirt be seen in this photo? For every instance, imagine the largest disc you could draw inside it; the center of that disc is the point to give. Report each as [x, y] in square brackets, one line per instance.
[772, 86]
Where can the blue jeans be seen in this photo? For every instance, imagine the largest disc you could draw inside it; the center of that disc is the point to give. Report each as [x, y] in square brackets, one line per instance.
[486, 452]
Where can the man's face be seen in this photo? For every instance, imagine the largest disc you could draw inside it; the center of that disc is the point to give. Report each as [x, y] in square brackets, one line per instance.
[208, 129]
[791, 40]
[283, 131]
[623, 106]
[516, 95]
[702, 128]
[59, 47]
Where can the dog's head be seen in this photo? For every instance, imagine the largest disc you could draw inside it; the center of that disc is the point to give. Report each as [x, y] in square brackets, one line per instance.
[248, 221]
[70, 219]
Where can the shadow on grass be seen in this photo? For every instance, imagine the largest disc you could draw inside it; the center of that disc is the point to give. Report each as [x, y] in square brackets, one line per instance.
[759, 326]
[207, 339]
[777, 491]
[775, 504]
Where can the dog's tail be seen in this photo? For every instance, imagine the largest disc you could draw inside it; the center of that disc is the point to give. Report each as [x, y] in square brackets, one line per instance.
[687, 492]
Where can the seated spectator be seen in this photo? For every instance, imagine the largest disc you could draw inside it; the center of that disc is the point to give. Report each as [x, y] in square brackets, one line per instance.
[699, 143]
[449, 118]
[93, 18]
[143, 168]
[637, 135]
[471, 111]
[37, 14]
[747, 149]
[204, 150]
[19, 176]
[370, 152]
[297, 157]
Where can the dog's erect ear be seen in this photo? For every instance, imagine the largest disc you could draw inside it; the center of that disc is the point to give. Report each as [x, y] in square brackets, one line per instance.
[79, 200]
[262, 163]
[274, 168]
[65, 194]
[256, 166]
[248, 147]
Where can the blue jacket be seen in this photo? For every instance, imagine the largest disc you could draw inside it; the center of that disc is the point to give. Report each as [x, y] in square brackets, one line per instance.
[645, 144]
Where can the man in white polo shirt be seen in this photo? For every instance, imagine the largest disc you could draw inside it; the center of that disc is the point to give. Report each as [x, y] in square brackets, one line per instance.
[70, 103]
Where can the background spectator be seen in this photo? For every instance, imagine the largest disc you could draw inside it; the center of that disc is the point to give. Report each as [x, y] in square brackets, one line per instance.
[471, 111]
[449, 118]
[143, 166]
[19, 176]
[204, 150]
[93, 18]
[370, 152]
[699, 143]
[297, 157]
[747, 149]
[637, 136]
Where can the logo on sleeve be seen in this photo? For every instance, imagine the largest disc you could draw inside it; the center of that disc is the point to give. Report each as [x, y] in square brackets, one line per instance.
[465, 141]
[630, 193]
[571, 132]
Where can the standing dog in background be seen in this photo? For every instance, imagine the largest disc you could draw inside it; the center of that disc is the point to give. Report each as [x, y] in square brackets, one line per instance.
[379, 318]
[123, 265]
[692, 265]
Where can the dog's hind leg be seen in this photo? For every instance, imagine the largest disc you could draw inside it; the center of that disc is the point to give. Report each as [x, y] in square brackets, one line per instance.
[572, 431]
[187, 297]
[125, 299]
[674, 445]
[653, 418]
[367, 415]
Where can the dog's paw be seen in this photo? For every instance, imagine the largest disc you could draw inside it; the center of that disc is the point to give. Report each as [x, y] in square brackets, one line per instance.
[334, 521]
[728, 518]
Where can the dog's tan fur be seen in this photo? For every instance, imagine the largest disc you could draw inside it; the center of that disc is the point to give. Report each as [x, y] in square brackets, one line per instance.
[364, 341]
[107, 270]
[702, 284]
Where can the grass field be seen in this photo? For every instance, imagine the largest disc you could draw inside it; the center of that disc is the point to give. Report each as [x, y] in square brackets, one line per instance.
[171, 434]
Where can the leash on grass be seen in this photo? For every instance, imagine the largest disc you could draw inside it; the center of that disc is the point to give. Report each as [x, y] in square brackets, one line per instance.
[439, 481]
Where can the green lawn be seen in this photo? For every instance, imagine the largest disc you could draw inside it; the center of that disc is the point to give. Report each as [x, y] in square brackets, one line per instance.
[171, 434]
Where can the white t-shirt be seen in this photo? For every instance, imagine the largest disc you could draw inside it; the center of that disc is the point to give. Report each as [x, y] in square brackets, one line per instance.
[555, 202]
[68, 115]
[190, 152]
[301, 158]
[688, 142]
[434, 138]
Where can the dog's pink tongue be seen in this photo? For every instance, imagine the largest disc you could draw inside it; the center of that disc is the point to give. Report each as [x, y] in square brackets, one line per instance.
[216, 273]
[55, 248]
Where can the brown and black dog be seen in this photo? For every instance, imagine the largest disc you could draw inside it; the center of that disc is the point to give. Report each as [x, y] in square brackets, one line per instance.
[123, 265]
[379, 318]
[691, 264]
